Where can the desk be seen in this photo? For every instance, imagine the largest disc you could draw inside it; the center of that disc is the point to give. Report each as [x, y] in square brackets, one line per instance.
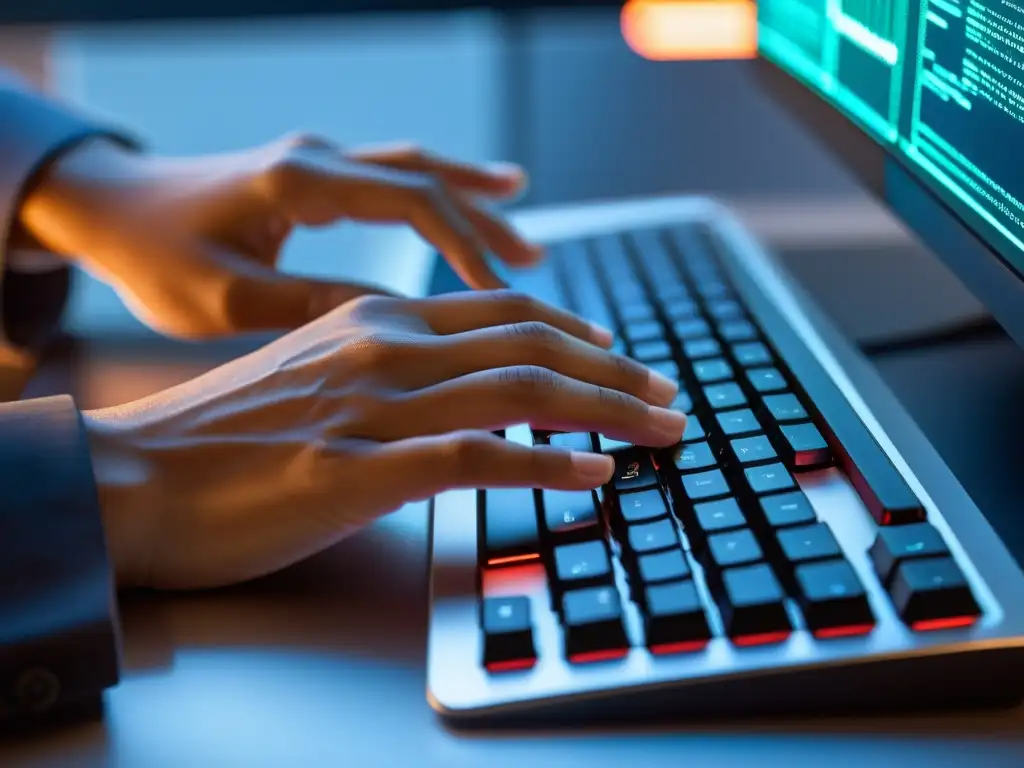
[323, 664]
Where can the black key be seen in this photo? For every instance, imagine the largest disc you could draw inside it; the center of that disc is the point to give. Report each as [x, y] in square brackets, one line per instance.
[713, 289]
[663, 566]
[768, 478]
[670, 290]
[593, 624]
[652, 537]
[737, 330]
[645, 330]
[641, 507]
[508, 634]
[894, 544]
[696, 349]
[694, 430]
[807, 543]
[804, 447]
[833, 599]
[738, 422]
[751, 603]
[693, 456]
[509, 526]
[932, 593]
[633, 471]
[571, 515]
[784, 510]
[704, 485]
[724, 309]
[572, 441]
[751, 353]
[674, 619]
[652, 351]
[733, 548]
[681, 308]
[785, 407]
[583, 564]
[666, 368]
[722, 396]
[683, 403]
[766, 380]
[750, 450]
[717, 516]
[636, 311]
[691, 328]
[708, 371]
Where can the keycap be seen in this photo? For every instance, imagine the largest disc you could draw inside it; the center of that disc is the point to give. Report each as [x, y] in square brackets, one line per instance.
[592, 619]
[751, 603]
[750, 450]
[768, 478]
[737, 330]
[785, 407]
[784, 510]
[704, 485]
[570, 515]
[633, 471]
[508, 634]
[644, 330]
[652, 537]
[663, 566]
[694, 430]
[509, 526]
[683, 403]
[766, 379]
[681, 308]
[833, 599]
[725, 395]
[584, 288]
[712, 289]
[636, 311]
[693, 456]
[803, 447]
[715, 369]
[717, 516]
[750, 353]
[609, 445]
[666, 368]
[733, 548]
[690, 328]
[724, 309]
[572, 441]
[807, 543]
[641, 506]
[652, 351]
[932, 593]
[738, 422]
[699, 348]
[582, 564]
[674, 619]
[894, 544]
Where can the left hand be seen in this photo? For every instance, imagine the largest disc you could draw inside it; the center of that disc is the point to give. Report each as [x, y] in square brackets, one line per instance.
[192, 245]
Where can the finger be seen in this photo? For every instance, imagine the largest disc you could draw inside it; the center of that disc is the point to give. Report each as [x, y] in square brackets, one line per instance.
[495, 180]
[542, 398]
[314, 188]
[459, 312]
[421, 467]
[531, 343]
[499, 237]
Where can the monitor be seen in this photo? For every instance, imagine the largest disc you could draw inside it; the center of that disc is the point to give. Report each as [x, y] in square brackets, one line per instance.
[924, 101]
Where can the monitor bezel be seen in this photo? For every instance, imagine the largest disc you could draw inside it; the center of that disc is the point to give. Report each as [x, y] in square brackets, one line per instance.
[936, 224]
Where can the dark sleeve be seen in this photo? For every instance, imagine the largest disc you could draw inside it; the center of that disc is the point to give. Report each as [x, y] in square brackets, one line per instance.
[58, 620]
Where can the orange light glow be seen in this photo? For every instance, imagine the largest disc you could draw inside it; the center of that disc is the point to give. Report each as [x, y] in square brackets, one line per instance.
[953, 622]
[678, 30]
[513, 559]
[765, 638]
[590, 657]
[853, 630]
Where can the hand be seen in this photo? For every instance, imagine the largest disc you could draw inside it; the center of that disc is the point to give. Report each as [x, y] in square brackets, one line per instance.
[279, 454]
[192, 245]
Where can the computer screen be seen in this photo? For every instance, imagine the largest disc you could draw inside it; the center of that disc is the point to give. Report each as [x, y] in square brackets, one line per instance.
[940, 83]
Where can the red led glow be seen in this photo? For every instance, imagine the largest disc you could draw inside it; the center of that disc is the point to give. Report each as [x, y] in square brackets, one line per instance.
[851, 630]
[950, 623]
[507, 581]
[609, 654]
[765, 638]
[689, 646]
[514, 559]
[513, 665]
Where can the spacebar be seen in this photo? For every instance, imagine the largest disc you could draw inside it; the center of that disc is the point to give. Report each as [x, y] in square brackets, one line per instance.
[881, 487]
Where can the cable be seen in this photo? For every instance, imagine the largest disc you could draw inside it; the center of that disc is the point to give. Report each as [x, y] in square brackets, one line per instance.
[978, 328]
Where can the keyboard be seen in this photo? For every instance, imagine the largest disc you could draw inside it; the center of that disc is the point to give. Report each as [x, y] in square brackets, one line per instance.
[778, 557]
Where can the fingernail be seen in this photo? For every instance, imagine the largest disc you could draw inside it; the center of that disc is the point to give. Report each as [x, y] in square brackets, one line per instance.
[509, 170]
[602, 335]
[669, 423]
[662, 388]
[592, 467]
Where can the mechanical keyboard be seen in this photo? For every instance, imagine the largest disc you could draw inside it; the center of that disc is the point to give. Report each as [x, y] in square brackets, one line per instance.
[779, 557]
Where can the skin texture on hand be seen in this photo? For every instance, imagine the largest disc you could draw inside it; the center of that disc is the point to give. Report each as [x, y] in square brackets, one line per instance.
[275, 456]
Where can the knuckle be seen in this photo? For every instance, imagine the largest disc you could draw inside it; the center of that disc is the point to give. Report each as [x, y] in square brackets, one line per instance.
[615, 400]
[536, 334]
[378, 351]
[518, 304]
[630, 371]
[303, 140]
[530, 383]
[467, 453]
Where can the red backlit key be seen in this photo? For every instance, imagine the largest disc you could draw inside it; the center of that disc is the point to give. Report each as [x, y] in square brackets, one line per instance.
[833, 600]
[932, 593]
[509, 526]
[674, 620]
[803, 447]
[751, 602]
[571, 515]
[592, 619]
[508, 634]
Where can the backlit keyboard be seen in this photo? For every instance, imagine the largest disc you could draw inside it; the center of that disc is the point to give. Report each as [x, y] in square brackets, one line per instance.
[777, 533]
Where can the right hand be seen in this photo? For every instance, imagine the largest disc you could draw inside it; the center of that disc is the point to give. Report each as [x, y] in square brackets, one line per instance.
[277, 455]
